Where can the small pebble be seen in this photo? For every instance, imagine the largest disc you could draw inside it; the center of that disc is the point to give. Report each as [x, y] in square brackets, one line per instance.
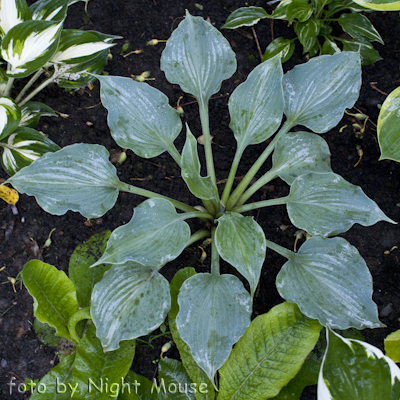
[3, 363]
[386, 310]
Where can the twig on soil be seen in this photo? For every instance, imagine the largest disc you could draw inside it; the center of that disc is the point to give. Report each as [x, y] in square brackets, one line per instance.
[372, 84]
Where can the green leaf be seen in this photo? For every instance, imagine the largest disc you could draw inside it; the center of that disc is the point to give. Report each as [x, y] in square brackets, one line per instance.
[298, 9]
[281, 10]
[139, 116]
[46, 333]
[83, 277]
[352, 369]
[389, 127]
[380, 5]
[241, 242]
[24, 146]
[338, 5]
[335, 282]
[13, 12]
[256, 106]
[367, 52]
[298, 153]
[307, 32]
[214, 312]
[330, 47]
[32, 111]
[357, 25]
[198, 58]
[78, 178]
[155, 235]
[49, 10]
[269, 354]
[10, 116]
[130, 301]
[279, 45]
[54, 296]
[392, 346]
[245, 16]
[201, 187]
[325, 204]
[317, 93]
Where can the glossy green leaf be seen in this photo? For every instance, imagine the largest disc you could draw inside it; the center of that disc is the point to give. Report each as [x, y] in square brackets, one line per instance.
[269, 354]
[256, 106]
[241, 242]
[367, 52]
[83, 277]
[78, 178]
[357, 25]
[392, 346]
[281, 10]
[54, 296]
[389, 127]
[10, 116]
[298, 153]
[299, 10]
[279, 45]
[139, 116]
[198, 58]
[339, 5]
[330, 47]
[317, 93]
[49, 10]
[214, 312]
[130, 301]
[245, 16]
[352, 369]
[335, 282]
[380, 5]
[32, 111]
[307, 32]
[13, 12]
[46, 333]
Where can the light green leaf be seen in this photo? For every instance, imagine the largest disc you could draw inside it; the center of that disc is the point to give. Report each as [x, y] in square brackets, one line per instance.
[245, 16]
[83, 277]
[49, 10]
[317, 93]
[214, 312]
[130, 301]
[201, 187]
[380, 5]
[298, 9]
[298, 153]
[279, 45]
[54, 296]
[367, 52]
[389, 127]
[256, 106]
[357, 25]
[392, 346]
[155, 235]
[241, 242]
[352, 369]
[325, 204]
[198, 58]
[10, 116]
[32, 111]
[13, 12]
[78, 178]
[269, 354]
[335, 282]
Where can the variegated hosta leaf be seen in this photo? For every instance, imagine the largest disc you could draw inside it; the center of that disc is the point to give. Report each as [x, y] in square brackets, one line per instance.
[32, 111]
[256, 106]
[380, 5]
[325, 204]
[3, 81]
[329, 281]
[317, 93]
[214, 313]
[49, 10]
[10, 116]
[245, 16]
[198, 58]
[29, 45]
[139, 116]
[298, 153]
[78, 177]
[241, 242]
[13, 12]
[352, 369]
[155, 235]
[23, 147]
[131, 300]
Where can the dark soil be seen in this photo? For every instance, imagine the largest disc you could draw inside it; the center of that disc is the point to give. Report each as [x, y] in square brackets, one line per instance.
[22, 236]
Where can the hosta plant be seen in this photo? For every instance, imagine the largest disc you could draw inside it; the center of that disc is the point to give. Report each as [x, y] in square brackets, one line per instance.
[326, 283]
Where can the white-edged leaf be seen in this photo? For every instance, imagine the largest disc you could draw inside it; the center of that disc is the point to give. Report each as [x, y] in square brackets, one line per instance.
[78, 178]
[214, 312]
[241, 242]
[32, 111]
[357, 25]
[245, 16]
[155, 235]
[13, 12]
[198, 58]
[317, 93]
[49, 10]
[380, 5]
[131, 300]
[335, 282]
[10, 116]
[279, 45]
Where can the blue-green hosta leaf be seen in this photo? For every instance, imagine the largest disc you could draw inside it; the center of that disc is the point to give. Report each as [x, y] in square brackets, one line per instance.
[78, 177]
[357, 25]
[389, 127]
[317, 93]
[10, 116]
[241, 242]
[155, 235]
[269, 354]
[380, 5]
[139, 116]
[131, 300]
[325, 204]
[245, 16]
[23, 147]
[198, 58]
[352, 369]
[214, 312]
[32, 111]
[279, 45]
[335, 282]
[298, 153]
[54, 296]
[201, 187]
[13, 12]
[256, 106]
[49, 10]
